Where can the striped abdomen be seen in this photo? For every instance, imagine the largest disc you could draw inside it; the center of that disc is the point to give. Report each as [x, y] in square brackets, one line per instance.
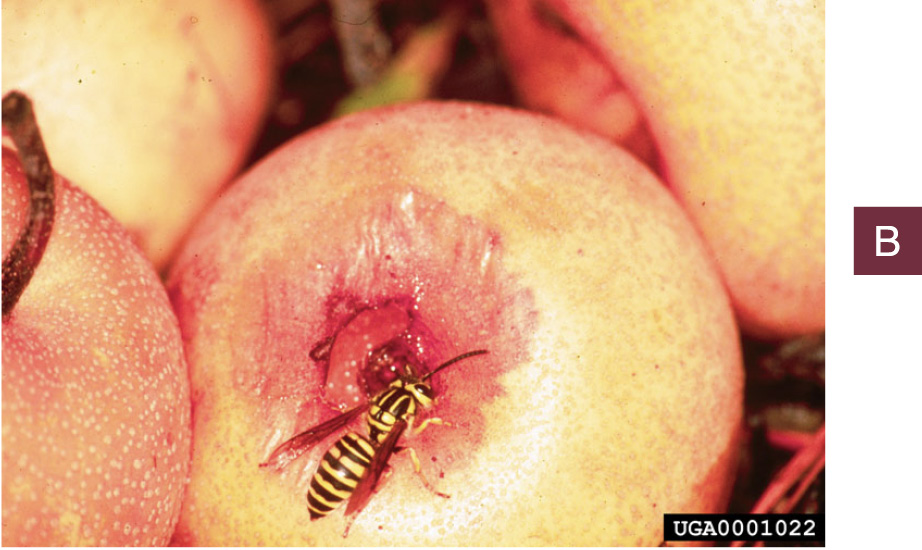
[338, 474]
[391, 405]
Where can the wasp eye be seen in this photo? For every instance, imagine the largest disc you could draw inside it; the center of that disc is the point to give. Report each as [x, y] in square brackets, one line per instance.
[424, 390]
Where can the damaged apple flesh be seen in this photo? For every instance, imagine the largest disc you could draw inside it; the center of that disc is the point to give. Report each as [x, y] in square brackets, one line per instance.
[402, 265]
[456, 228]
[350, 377]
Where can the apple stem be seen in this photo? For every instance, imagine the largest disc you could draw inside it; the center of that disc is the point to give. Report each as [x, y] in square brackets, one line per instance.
[24, 257]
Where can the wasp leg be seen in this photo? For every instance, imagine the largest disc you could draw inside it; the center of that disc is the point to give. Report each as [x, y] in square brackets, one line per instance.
[349, 522]
[417, 467]
[425, 423]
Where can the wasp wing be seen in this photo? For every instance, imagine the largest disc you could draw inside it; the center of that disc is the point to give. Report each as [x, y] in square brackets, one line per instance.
[299, 444]
[375, 470]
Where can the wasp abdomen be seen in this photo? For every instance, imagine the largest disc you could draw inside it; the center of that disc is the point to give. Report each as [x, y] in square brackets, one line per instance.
[338, 474]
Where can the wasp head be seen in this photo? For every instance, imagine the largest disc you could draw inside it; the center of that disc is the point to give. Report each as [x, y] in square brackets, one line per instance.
[422, 392]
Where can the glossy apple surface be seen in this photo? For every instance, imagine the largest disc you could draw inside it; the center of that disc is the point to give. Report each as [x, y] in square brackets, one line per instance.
[612, 390]
[96, 421]
[734, 94]
[148, 106]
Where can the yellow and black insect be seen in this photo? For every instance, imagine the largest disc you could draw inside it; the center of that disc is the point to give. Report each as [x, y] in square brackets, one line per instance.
[352, 467]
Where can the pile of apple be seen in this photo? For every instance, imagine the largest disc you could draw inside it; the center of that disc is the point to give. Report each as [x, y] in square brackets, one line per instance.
[137, 408]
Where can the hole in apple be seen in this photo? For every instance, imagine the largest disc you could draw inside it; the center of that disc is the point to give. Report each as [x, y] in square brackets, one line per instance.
[378, 345]
[405, 278]
[360, 361]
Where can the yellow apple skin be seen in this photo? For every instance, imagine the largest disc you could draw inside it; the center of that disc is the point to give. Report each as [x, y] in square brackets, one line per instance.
[612, 392]
[148, 106]
[96, 410]
[734, 93]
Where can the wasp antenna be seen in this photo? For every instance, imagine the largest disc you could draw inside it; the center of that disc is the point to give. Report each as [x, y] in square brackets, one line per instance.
[450, 362]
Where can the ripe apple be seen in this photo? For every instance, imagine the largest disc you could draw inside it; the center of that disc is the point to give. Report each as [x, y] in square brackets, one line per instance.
[148, 106]
[612, 389]
[96, 412]
[734, 94]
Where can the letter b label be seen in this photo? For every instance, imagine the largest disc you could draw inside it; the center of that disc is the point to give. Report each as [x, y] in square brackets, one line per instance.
[894, 244]
[888, 240]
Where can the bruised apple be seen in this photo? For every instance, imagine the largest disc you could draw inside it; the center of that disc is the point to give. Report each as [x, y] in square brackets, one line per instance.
[734, 95]
[611, 390]
[96, 421]
[148, 106]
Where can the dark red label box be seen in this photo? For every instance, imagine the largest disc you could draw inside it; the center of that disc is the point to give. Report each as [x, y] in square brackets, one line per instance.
[888, 240]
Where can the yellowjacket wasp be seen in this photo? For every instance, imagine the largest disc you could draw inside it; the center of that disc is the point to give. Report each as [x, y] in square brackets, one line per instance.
[352, 467]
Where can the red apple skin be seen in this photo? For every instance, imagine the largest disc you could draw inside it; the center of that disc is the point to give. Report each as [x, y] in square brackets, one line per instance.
[96, 412]
[612, 390]
[734, 96]
[150, 107]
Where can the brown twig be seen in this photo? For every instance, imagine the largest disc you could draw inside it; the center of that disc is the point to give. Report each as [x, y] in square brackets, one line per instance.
[802, 470]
